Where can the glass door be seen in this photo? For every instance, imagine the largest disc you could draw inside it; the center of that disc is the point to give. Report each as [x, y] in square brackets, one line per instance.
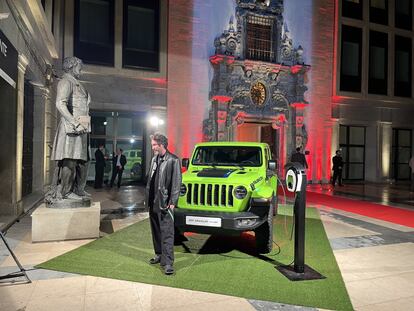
[352, 144]
[401, 154]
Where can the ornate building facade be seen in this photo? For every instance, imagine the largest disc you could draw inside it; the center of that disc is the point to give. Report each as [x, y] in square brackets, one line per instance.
[258, 86]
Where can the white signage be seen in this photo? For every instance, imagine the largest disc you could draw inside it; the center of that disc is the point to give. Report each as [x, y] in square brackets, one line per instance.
[203, 221]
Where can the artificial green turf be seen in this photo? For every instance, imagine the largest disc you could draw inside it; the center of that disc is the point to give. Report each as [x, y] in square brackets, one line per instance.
[221, 265]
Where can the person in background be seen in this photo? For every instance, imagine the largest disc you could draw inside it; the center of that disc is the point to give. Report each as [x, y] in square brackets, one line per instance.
[337, 164]
[299, 157]
[99, 166]
[411, 163]
[118, 164]
[161, 196]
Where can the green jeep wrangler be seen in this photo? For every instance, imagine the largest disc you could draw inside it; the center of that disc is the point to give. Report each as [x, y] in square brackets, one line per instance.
[228, 188]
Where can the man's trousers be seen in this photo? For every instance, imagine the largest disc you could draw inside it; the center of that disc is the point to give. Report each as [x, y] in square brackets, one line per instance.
[99, 175]
[337, 175]
[162, 228]
[117, 172]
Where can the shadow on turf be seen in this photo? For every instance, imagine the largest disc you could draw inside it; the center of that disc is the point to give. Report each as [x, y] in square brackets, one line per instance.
[225, 245]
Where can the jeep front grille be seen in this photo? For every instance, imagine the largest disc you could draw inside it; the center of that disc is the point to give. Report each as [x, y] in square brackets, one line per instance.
[209, 195]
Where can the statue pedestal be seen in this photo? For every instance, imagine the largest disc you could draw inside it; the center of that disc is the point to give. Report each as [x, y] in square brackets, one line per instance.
[58, 224]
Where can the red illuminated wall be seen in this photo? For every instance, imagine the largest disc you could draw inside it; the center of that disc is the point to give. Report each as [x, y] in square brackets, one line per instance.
[318, 114]
[188, 81]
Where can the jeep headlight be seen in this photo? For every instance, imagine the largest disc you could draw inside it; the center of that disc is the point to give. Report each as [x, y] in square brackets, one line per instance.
[183, 189]
[240, 192]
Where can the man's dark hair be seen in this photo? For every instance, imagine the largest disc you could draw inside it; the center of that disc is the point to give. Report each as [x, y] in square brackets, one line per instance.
[337, 151]
[160, 139]
[298, 149]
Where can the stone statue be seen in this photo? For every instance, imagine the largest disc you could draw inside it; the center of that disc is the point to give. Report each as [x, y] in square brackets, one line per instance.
[71, 145]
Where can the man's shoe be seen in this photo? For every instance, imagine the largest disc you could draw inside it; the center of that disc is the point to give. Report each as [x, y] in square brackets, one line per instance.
[155, 260]
[168, 270]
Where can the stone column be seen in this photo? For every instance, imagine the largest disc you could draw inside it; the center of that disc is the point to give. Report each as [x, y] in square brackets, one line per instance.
[384, 154]
[50, 129]
[39, 136]
[119, 5]
[321, 79]
[17, 182]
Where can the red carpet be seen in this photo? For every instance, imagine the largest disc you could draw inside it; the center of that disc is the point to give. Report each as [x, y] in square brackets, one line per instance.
[373, 210]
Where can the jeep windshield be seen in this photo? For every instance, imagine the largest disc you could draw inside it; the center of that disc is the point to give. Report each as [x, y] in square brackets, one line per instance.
[228, 156]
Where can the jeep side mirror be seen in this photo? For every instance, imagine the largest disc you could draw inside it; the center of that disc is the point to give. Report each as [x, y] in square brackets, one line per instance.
[185, 162]
[271, 165]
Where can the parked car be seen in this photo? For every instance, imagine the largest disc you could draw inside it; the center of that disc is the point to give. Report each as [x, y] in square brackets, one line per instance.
[228, 188]
[134, 163]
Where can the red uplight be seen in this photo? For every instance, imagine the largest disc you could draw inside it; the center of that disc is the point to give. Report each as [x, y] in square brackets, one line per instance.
[217, 59]
[282, 118]
[222, 98]
[295, 69]
[299, 105]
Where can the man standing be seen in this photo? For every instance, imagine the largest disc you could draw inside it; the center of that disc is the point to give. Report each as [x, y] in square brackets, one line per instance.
[411, 163]
[99, 166]
[118, 164]
[71, 144]
[299, 157]
[161, 195]
[337, 168]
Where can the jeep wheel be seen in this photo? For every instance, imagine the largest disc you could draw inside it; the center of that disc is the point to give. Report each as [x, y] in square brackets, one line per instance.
[179, 236]
[264, 234]
[275, 204]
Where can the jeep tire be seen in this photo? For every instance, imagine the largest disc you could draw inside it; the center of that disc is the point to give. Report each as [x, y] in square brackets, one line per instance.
[275, 204]
[179, 236]
[264, 234]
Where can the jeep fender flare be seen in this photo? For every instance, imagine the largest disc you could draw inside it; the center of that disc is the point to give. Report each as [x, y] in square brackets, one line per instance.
[263, 192]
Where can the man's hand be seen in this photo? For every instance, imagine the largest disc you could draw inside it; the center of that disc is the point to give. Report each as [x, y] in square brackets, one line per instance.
[171, 207]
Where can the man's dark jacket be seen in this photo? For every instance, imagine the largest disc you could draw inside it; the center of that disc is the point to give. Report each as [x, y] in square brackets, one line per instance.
[299, 157]
[123, 161]
[167, 184]
[100, 158]
[337, 163]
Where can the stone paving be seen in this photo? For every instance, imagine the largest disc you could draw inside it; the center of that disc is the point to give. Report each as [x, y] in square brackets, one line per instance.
[376, 259]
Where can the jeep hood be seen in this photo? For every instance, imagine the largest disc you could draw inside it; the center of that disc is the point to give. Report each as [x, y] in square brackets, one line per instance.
[222, 175]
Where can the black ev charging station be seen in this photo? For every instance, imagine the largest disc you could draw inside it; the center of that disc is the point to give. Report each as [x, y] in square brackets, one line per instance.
[296, 182]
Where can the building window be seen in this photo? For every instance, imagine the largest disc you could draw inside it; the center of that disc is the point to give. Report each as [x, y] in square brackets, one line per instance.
[402, 65]
[401, 154]
[352, 8]
[352, 144]
[403, 14]
[94, 31]
[378, 64]
[141, 34]
[378, 11]
[351, 47]
[259, 38]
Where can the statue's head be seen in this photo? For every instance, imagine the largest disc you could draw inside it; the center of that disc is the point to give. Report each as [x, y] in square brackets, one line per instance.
[72, 65]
